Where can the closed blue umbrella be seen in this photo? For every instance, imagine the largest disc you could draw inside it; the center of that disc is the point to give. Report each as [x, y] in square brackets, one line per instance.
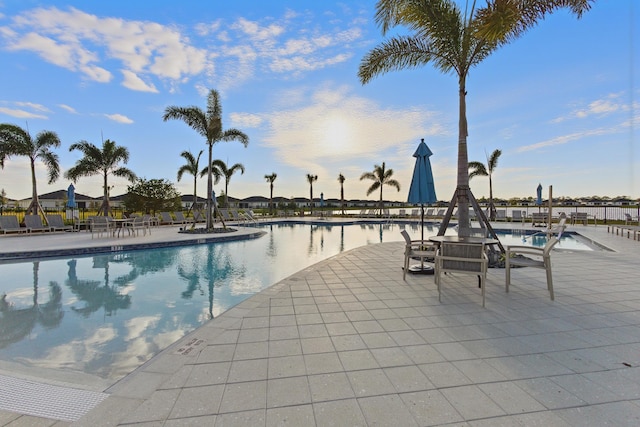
[71, 196]
[422, 190]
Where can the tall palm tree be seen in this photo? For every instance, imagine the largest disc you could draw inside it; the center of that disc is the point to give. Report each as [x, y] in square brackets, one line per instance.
[311, 179]
[105, 162]
[15, 141]
[341, 180]
[219, 170]
[454, 41]
[270, 179]
[192, 167]
[381, 176]
[209, 125]
[479, 169]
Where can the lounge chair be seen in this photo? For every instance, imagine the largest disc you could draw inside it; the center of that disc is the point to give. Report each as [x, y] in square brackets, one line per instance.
[461, 258]
[416, 249]
[542, 259]
[57, 224]
[180, 218]
[34, 223]
[166, 218]
[10, 224]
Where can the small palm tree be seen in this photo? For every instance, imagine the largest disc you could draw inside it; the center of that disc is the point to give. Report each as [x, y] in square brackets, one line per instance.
[479, 169]
[105, 162]
[311, 179]
[341, 180]
[219, 170]
[192, 167]
[209, 125]
[381, 177]
[270, 179]
[15, 141]
[454, 40]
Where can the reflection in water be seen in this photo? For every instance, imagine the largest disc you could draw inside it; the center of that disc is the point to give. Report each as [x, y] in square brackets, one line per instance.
[17, 323]
[94, 294]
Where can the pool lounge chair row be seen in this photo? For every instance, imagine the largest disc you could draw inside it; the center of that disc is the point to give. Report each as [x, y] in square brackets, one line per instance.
[33, 223]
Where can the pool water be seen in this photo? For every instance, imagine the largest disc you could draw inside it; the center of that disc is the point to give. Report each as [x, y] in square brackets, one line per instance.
[102, 316]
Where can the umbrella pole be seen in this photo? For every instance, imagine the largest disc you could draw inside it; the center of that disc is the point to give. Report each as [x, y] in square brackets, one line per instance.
[422, 233]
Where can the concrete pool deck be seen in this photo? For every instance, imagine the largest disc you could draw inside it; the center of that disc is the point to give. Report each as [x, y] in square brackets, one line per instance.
[348, 342]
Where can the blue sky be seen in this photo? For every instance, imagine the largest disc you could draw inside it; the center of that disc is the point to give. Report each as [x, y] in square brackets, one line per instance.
[561, 102]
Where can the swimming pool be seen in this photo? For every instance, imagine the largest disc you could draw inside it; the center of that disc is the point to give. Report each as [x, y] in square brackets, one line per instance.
[97, 318]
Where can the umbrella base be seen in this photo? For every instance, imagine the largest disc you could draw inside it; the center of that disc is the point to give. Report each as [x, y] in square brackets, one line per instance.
[418, 269]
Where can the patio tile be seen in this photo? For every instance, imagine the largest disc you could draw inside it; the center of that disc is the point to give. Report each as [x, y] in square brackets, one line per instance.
[387, 410]
[286, 366]
[471, 402]
[292, 416]
[288, 392]
[371, 382]
[338, 413]
[322, 363]
[248, 370]
[407, 379]
[244, 396]
[330, 387]
[431, 408]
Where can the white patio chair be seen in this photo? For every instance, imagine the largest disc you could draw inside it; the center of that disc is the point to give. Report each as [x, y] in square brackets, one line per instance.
[542, 259]
[416, 249]
[461, 258]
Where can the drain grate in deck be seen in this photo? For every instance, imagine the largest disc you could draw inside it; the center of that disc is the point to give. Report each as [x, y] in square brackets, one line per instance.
[45, 400]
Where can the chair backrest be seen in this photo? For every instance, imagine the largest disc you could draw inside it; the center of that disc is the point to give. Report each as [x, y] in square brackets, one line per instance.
[33, 222]
[55, 220]
[407, 239]
[166, 216]
[179, 216]
[627, 216]
[470, 251]
[9, 222]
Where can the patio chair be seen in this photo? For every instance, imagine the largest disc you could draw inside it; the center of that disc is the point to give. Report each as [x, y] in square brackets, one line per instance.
[139, 224]
[416, 249]
[34, 223]
[10, 224]
[628, 219]
[153, 221]
[56, 223]
[100, 225]
[461, 258]
[517, 216]
[542, 259]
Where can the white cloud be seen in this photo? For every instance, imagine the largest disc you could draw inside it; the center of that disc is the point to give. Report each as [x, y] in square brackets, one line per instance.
[68, 108]
[119, 118]
[599, 108]
[133, 82]
[79, 41]
[241, 120]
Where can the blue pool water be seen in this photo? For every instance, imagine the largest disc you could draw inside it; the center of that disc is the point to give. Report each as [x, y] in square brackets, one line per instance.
[102, 316]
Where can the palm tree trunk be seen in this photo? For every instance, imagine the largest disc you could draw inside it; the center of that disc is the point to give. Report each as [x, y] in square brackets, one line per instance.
[381, 203]
[342, 197]
[271, 199]
[209, 188]
[463, 165]
[34, 206]
[492, 208]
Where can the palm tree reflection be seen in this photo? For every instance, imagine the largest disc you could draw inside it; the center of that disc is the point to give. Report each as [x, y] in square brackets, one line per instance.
[17, 323]
[96, 295]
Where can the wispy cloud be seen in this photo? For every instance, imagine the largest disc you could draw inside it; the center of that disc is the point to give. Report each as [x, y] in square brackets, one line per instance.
[82, 42]
[68, 108]
[24, 110]
[599, 107]
[235, 51]
[119, 118]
